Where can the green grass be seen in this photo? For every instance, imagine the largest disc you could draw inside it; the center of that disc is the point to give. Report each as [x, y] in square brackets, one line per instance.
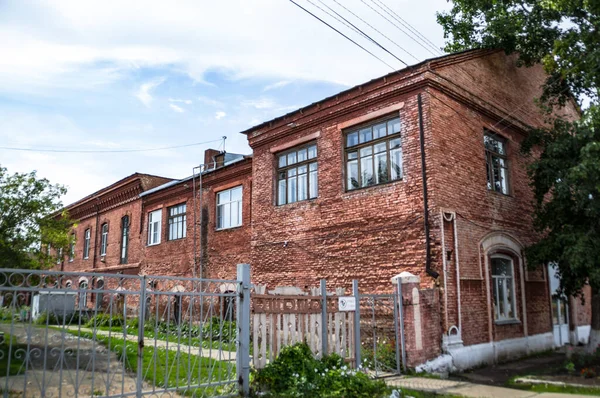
[421, 394]
[10, 345]
[166, 368]
[541, 388]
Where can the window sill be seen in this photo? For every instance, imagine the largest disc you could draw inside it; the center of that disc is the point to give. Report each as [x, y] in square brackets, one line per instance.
[177, 239]
[228, 228]
[504, 195]
[298, 202]
[508, 322]
[153, 244]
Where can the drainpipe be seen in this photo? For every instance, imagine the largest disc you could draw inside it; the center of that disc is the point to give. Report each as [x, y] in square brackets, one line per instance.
[428, 269]
[96, 233]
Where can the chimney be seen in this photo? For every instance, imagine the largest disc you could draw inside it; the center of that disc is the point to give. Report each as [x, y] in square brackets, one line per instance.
[209, 158]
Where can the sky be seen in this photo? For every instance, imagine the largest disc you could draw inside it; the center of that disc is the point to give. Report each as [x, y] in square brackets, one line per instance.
[120, 75]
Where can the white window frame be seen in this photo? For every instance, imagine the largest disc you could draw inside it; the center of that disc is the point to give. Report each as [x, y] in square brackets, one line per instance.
[87, 235]
[104, 239]
[154, 227]
[226, 205]
[495, 289]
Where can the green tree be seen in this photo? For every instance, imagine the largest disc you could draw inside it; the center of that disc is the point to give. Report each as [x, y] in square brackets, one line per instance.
[30, 219]
[563, 36]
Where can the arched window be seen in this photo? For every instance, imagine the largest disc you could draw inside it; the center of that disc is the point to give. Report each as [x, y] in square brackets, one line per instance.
[124, 238]
[83, 285]
[503, 285]
[104, 240]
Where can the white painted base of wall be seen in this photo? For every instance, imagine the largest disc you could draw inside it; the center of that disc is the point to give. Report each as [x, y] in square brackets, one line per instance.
[488, 353]
[581, 335]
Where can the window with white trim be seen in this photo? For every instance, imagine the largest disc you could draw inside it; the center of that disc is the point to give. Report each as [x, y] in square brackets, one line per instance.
[373, 153]
[503, 282]
[104, 239]
[72, 248]
[59, 255]
[124, 239]
[229, 208]
[154, 226]
[86, 243]
[297, 175]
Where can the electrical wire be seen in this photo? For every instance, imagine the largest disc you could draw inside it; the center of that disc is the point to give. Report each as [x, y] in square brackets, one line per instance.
[340, 33]
[103, 150]
[352, 26]
[375, 29]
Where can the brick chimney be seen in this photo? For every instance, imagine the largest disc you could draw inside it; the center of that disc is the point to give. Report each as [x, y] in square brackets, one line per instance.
[209, 158]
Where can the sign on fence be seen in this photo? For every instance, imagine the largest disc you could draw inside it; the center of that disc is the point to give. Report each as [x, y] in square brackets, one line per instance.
[347, 303]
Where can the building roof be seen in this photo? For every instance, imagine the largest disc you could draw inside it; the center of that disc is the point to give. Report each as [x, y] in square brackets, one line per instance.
[449, 58]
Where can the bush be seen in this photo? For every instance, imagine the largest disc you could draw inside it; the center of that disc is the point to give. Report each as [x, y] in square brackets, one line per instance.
[296, 373]
[384, 356]
[105, 320]
[51, 318]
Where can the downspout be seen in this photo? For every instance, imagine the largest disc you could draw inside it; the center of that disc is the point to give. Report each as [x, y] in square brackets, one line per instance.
[428, 269]
[96, 233]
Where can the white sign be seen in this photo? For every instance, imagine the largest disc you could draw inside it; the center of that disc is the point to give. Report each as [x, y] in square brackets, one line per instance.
[347, 303]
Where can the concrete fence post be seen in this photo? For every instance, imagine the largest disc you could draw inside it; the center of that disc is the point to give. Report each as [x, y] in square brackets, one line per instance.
[357, 344]
[325, 337]
[243, 324]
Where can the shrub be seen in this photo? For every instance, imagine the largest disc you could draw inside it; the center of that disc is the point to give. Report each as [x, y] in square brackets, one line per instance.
[105, 320]
[52, 318]
[384, 355]
[296, 373]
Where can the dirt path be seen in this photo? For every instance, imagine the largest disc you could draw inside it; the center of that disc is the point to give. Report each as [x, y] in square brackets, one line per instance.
[58, 364]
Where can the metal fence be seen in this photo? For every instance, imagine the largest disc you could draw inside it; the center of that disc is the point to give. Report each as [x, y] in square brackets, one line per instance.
[110, 335]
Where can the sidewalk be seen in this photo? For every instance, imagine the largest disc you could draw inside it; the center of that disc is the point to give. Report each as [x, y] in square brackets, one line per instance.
[465, 389]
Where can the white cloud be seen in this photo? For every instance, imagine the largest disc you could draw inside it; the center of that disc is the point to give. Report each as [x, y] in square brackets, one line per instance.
[277, 85]
[210, 101]
[176, 108]
[183, 101]
[220, 115]
[145, 90]
[81, 44]
[260, 103]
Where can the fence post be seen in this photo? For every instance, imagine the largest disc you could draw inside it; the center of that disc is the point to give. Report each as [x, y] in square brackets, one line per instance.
[324, 335]
[243, 323]
[140, 351]
[357, 358]
[401, 320]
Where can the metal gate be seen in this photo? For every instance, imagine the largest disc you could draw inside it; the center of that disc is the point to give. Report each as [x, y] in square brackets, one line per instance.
[110, 335]
[381, 334]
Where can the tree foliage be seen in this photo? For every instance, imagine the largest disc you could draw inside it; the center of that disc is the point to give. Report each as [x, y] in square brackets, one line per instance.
[30, 220]
[564, 36]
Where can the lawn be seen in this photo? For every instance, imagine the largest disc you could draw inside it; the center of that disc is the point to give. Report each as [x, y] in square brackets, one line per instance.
[170, 369]
[10, 349]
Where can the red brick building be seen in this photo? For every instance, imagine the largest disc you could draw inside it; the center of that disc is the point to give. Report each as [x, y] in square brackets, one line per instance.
[418, 171]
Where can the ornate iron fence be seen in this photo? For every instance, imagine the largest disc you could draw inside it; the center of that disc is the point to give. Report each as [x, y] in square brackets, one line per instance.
[110, 335]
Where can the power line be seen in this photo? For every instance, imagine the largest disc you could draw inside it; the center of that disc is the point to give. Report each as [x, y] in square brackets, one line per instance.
[103, 150]
[409, 26]
[358, 30]
[375, 29]
[398, 27]
[346, 37]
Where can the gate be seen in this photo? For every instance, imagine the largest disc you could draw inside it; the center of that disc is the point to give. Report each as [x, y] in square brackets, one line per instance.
[111, 335]
[380, 334]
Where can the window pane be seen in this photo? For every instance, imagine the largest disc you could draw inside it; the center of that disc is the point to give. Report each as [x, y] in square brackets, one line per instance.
[292, 190]
[503, 181]
[302, 186]
[366, 151]
[312, 152]
[365, 135]
[227, 215]
[366, 168]
[220, 216]
[282, 161]
[239, 215]
[281, 192]
[394, 126]
[291, 158]
[501, 294]
[352, 139]
[314, 182]
[352, 174]
[381, 168]
[501, 267]
[396, 164]
[301, 155]
[352, 155]
[509, 298]
[494, 144]
[379, 130]
[302, 169]
[236, 193]
[313, 167]
[381, 147]
[395, 143]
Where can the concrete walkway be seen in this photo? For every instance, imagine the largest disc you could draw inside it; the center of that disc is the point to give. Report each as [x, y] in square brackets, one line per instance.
[150, 343]
[466, 389]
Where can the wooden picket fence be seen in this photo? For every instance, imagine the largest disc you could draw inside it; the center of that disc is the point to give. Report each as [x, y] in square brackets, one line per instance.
[280, 320]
